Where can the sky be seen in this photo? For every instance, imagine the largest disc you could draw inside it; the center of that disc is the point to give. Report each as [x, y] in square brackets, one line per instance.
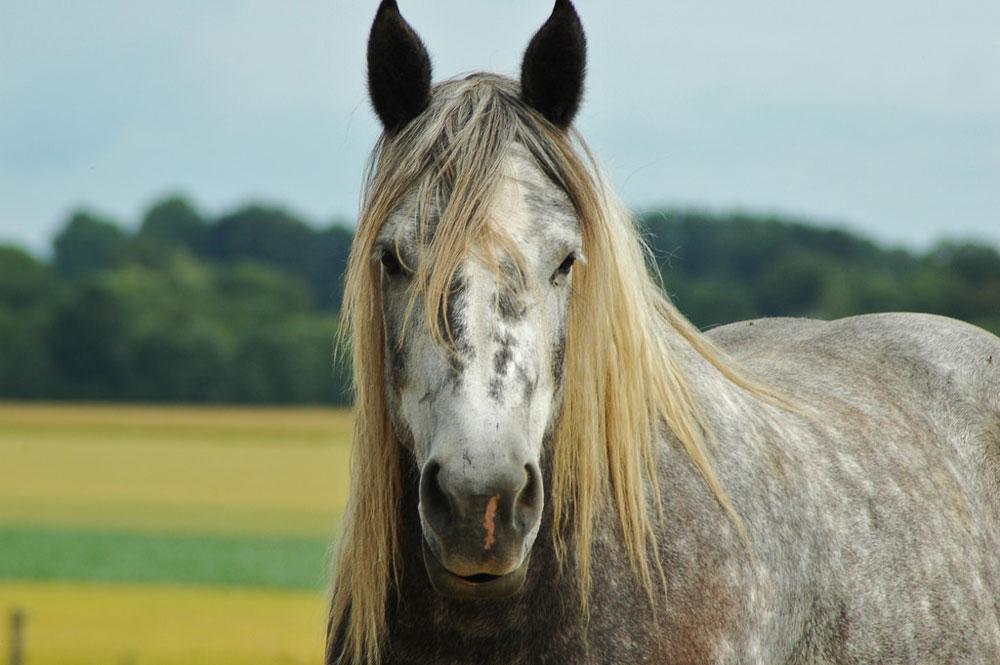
[878, 116]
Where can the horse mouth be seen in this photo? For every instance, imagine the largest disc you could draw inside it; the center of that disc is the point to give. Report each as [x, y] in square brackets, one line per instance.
[481, 586]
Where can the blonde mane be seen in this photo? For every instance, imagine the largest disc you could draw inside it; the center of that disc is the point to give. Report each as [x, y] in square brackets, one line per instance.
[618, 395]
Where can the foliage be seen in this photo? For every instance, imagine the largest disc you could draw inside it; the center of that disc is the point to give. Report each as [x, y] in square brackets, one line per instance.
[173, 221]
[86, 245]
[238, 309]
[720, 269]
[242, 308]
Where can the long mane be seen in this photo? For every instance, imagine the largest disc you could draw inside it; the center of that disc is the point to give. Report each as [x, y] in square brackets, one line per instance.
[619, 394]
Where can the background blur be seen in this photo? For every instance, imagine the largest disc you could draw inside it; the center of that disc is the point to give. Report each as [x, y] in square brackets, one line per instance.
[178, 185]
[882, 116]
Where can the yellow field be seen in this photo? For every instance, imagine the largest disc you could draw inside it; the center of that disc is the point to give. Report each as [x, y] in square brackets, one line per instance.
[272, 473]
[282, 472]
[77, 624]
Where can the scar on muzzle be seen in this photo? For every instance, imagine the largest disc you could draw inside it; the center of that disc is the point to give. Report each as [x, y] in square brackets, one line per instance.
[491, 511]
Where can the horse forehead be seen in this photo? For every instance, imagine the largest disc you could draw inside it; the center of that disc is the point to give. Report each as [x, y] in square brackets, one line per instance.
[529, 207]
[533, 208]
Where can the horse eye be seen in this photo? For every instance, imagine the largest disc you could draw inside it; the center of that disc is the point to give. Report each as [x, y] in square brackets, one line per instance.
[565, 266]
[391, 264]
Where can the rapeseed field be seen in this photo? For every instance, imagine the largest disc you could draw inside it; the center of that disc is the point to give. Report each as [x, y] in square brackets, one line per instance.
[169, 534]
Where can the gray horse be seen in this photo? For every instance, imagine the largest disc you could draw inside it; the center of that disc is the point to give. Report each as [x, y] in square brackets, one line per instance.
[552, 465]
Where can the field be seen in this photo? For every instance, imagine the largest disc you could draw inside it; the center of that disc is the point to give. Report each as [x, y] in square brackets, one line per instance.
[167, 534]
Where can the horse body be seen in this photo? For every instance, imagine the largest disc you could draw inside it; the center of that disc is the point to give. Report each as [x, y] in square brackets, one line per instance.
[874, 523]
[551, 465]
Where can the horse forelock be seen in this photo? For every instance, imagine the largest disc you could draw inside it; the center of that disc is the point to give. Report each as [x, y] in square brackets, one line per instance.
[621, 380]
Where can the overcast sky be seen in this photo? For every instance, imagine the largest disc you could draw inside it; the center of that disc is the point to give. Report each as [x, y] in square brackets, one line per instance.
[882, 116]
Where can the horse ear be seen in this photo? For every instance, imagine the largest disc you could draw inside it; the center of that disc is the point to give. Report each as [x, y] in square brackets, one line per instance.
[553, 66]
[399, 69]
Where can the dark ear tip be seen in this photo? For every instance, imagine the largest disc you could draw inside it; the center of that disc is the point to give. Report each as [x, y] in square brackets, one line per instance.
[552, 71]
[399, 69]
[386, 6]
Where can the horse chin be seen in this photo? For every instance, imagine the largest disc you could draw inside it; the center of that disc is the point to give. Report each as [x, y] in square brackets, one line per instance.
[473, 587]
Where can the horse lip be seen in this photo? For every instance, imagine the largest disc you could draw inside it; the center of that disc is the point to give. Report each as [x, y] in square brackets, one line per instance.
[448, 583]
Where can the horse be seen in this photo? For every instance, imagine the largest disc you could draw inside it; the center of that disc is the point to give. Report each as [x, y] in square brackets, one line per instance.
[552, 465]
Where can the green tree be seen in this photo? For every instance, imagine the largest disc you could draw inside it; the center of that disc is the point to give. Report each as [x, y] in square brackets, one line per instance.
[791, 286]
[25, 282]
[327, 279]
[86, 245]
[87, 339]
[173, 221]
[28, 290]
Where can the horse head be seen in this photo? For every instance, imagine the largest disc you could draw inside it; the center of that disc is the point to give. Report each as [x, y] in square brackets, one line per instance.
[475, 254]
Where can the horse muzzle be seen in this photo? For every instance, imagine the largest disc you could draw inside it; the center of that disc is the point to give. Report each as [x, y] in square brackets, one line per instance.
[478, 528]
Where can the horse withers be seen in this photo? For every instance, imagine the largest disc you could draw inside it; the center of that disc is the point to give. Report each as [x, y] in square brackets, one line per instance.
[551, 465]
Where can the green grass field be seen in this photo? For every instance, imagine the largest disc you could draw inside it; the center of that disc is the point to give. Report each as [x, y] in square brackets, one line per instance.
[122, 556]
[222, 517]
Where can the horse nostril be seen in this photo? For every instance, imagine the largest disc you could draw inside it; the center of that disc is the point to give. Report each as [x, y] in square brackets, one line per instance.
[530, 497]
[436, 502]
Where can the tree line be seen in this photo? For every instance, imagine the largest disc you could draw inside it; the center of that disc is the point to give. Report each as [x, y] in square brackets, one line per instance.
[727, 268]
[242, 308]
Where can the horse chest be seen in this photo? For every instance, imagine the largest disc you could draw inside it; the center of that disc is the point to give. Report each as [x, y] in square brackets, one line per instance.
[544, 624]
[490, 639]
